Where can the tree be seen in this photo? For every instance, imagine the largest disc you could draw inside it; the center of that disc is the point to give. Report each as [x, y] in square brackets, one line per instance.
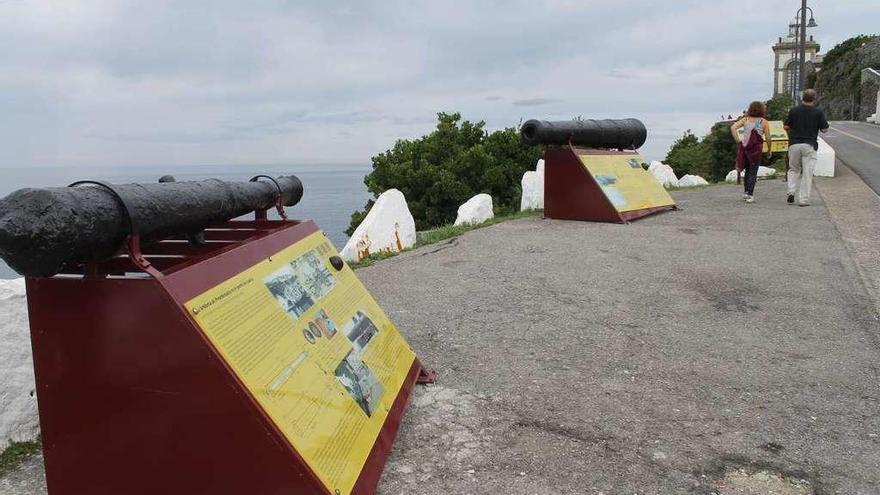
[440, 171]
[778, 107]
[722, 152]
[689, 156]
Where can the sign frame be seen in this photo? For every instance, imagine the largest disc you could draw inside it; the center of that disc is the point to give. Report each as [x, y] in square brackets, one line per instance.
[135, 399]
[571, 192]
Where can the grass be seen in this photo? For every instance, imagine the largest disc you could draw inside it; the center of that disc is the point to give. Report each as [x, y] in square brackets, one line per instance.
[443, 233]
[15, 454]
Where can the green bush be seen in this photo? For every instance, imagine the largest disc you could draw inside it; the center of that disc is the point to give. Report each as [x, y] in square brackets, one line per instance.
[458, 160]
[714, 156]
[688, 155]
[722, 150]
[844, 47]
[778, 107]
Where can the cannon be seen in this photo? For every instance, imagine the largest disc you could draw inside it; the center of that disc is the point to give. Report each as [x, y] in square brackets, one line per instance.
[44, 230]
[608, 133]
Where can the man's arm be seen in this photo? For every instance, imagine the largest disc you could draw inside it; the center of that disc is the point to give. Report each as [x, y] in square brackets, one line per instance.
[823, 123]
[786, 124]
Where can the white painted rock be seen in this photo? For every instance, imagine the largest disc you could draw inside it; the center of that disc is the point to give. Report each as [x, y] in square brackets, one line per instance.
[388, 227]
[663, 173]
[475, 210]
[533, 189]
[825, 160]
[692, 180]
[19, 421]
[731, 176]
[766, 172]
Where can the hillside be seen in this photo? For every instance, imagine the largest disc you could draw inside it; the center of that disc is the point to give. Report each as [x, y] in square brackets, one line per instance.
[842, 94]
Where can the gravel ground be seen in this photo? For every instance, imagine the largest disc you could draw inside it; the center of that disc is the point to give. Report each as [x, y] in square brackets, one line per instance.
[725, 348]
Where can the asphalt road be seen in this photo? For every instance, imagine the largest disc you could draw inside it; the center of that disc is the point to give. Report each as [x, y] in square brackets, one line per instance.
[858, 145]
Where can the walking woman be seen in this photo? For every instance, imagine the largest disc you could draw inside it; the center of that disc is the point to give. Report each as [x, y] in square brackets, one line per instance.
[756, 130]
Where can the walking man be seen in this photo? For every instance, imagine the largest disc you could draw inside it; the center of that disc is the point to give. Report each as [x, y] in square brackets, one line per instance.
[803, 125]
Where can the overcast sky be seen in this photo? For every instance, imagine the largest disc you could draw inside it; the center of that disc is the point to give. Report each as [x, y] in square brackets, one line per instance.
[118, 82]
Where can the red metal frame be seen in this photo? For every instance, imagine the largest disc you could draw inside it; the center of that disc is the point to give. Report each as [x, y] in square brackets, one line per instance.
[133, 397]
[572, 193]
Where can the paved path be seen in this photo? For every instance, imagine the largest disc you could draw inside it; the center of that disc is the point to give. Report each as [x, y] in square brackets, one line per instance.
[649, 358]
[678, 354]
[858, 145]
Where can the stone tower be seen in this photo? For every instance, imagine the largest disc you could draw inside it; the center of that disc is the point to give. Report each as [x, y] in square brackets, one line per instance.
[786, 51]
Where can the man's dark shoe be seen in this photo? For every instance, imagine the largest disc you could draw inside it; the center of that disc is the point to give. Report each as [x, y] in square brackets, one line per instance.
[791, 199]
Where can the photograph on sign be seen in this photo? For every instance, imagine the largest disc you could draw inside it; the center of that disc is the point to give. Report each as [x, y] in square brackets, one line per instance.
[297, 286]
[289, 292]
[360, 331]
[606, 182]
[314, 274]
[325, 324]
[360, 382]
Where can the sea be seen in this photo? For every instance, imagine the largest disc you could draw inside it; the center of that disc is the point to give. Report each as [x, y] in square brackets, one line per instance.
[331, 192]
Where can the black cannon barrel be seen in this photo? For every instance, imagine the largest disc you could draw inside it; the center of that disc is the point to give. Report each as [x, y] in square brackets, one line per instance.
[608, 133]
[42, 230]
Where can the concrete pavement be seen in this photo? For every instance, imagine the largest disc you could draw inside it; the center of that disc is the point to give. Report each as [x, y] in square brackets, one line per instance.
[726, 348]
[855, 210]
[858, 145]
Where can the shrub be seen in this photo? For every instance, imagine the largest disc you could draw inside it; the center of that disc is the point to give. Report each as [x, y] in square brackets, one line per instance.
[778, 107]
[689, 156]
[440, 171]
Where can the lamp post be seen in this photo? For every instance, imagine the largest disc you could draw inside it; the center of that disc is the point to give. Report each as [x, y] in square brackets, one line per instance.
[802, 26]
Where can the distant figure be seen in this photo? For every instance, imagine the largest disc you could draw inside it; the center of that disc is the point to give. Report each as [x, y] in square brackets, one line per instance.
[748, 153]
[729, 117]
[803, 125]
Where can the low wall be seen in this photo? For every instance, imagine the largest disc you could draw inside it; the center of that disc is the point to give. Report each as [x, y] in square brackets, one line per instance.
[18, 401]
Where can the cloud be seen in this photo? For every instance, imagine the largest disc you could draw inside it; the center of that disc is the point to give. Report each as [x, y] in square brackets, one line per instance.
[127, 82]
[535, 102]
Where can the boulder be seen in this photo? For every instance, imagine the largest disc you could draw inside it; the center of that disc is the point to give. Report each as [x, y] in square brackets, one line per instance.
[18, 402]
[475, 210]
[692, 181]
[388, 227]
[731, 176]
[532, 192]
[533, 189]
[766, 172]
[663, 173]
[825, 159]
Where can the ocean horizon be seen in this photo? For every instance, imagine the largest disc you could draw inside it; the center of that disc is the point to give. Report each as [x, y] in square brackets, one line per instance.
[331, 192]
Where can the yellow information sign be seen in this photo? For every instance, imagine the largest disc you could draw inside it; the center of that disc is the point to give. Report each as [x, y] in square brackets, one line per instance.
[316, 352]
[625, 183]
[777, 133]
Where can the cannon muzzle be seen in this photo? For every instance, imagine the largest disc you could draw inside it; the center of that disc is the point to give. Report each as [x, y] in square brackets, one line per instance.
[44, 230]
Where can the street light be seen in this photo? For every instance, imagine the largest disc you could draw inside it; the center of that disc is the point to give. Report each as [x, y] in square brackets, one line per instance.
[802, 52]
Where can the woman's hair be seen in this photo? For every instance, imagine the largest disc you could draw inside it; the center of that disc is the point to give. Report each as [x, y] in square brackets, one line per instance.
[757, 109]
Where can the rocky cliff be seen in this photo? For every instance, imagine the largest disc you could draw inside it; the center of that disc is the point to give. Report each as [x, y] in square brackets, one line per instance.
[842, 92]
